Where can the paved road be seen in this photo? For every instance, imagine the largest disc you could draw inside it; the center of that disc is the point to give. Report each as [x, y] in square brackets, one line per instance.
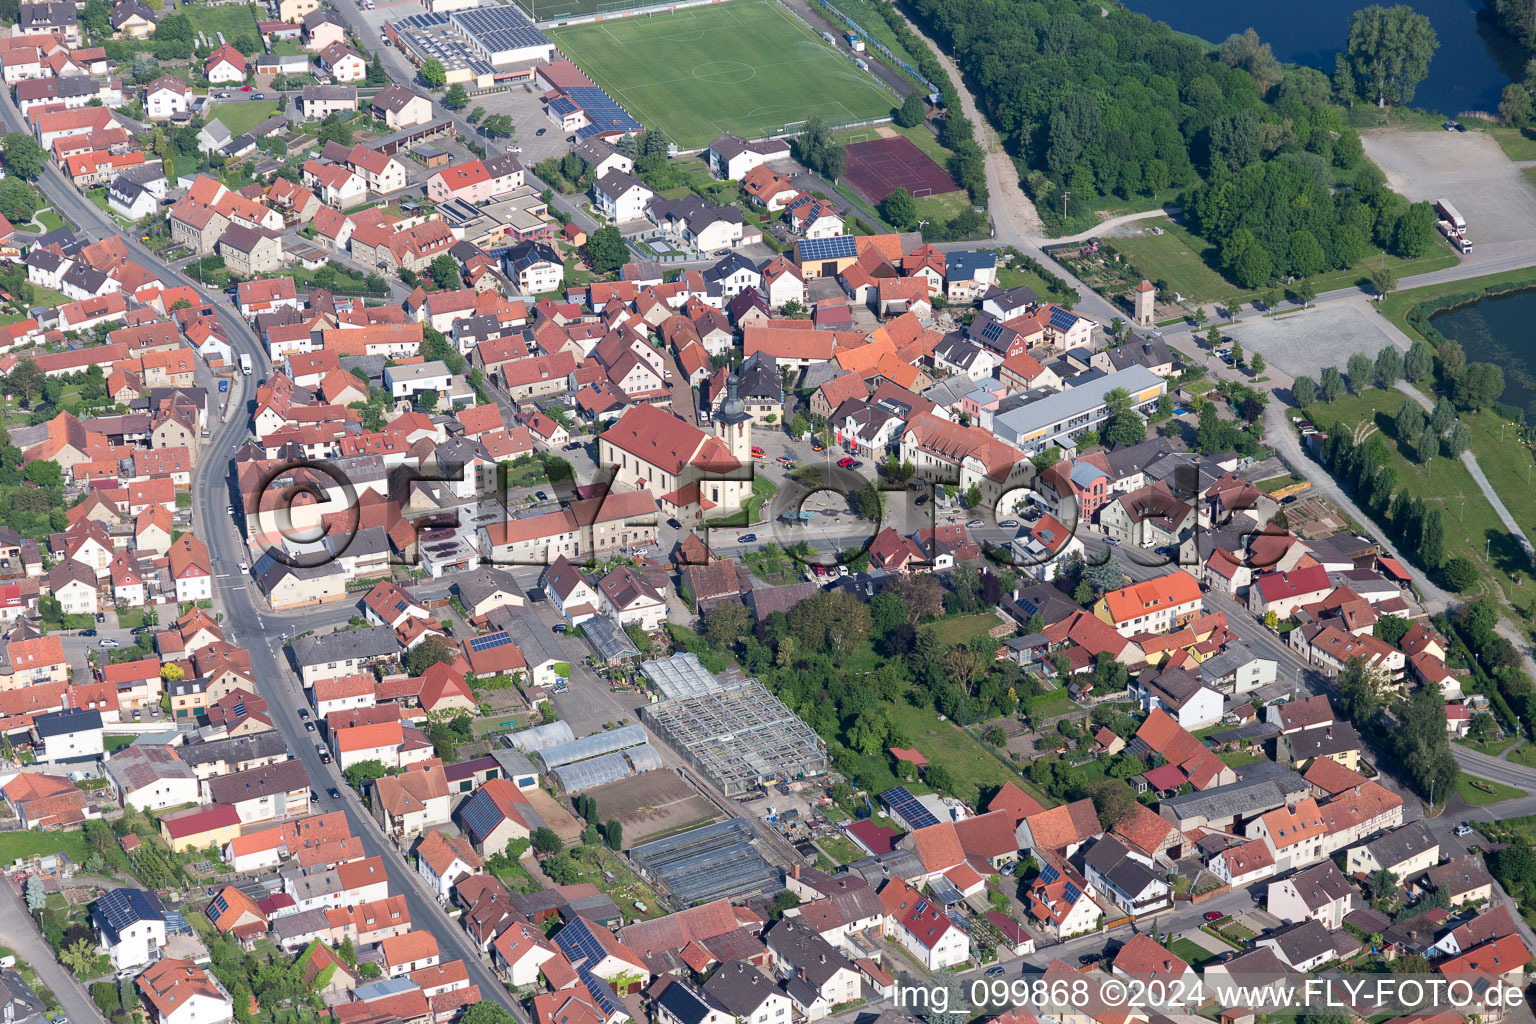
[1496, 769]
[20, 933]
[233, 595]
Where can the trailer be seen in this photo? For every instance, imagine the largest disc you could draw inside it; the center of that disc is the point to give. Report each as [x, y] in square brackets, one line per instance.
[1460, 242]
[1447, 211]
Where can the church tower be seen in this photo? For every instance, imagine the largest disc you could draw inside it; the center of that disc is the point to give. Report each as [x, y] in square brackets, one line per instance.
[733, 424]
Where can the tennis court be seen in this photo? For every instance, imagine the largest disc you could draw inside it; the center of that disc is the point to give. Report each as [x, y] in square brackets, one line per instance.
[747, 67]
[879, 166]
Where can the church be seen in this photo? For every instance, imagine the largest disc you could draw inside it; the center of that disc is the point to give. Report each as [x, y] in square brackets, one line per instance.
[689, 471]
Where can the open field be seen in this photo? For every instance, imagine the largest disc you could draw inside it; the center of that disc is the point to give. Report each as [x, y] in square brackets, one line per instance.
[1189, 264]
[233, 21]
[747, 67]
[240, 118]
[1471, 525]
[654, 802]
[1476, 792]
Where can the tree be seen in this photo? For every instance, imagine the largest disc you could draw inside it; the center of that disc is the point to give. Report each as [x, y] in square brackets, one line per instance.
[605, 250]
[457, 97]
[1389, 50]
[1457, 440]
[1479, 385]
[1515, 104]
[831, 622]
[1303, 391]
[818, 150]
[445, 271]
[1112, 799]
[1427, 446]
[1236, 352]
[431, 651]
[498, 126]
[1360, 370]
[1331, 387]
[1257, 364]
[785, 900]
[1443, 416]
[613, 833]
[364, 772]
[432, 73]
[1359, 686]
[79, 956]
[24, 157]
[939, 777]
[912, 110]
[106, 995]
[1419, 362]
[376, 74]
[1383, 280]
[1460, 574]
[37, 899]
[899, 209]
[1432, 540]
[1453, 360]
[544, 840]
[487, 1011]
[18, 200]
[1104, 576]
[1389, 366]
[727, 622]
[1415, 231]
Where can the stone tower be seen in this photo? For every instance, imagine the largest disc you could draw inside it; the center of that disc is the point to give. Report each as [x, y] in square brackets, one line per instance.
[1146, 298]
[733, 424]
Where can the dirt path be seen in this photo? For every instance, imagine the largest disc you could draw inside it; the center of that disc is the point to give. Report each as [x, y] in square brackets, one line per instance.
[1011, 209]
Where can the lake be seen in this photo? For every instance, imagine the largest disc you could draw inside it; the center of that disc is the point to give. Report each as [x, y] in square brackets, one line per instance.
[1474, 63]
[1495, 330]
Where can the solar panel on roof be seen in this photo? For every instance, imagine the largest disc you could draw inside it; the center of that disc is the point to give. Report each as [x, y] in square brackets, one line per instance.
[602, 994]
[834, 247]
[578, 943]
[489, 640]
[480, 815]
[1062, 320]
[907, 808]
[1049, 874]
[1071, 893]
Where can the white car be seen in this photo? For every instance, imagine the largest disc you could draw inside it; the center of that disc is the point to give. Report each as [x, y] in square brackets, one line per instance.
[107, 641]
[244, 567]
[1463, 830]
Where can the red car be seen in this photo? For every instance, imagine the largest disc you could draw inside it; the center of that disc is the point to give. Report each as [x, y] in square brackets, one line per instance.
[245, 88]
[1214, 915]
[845, 462]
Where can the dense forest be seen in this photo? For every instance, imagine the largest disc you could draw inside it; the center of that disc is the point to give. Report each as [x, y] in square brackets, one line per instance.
[1100, 105]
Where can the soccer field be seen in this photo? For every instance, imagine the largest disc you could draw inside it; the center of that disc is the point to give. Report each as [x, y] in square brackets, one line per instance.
[747, 67]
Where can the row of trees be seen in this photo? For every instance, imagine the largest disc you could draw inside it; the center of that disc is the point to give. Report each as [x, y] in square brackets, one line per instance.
[1414, 731]
[1418, 529]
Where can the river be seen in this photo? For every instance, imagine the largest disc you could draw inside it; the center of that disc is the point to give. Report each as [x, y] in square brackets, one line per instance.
[1469, 71]
[1495, 330]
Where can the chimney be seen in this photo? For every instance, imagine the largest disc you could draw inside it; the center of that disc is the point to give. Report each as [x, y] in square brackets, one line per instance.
[794, 872]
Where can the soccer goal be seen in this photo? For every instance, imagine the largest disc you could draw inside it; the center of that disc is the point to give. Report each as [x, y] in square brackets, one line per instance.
[917, 192]
[860, 137]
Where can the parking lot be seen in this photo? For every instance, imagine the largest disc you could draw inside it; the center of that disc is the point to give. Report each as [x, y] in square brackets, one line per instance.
[1468, 169]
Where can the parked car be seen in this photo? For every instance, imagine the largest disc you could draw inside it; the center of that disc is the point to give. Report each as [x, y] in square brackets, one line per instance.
[303, 714]
[541, 131]
[309, 726]
[572, 447]
[1214, 915]
[846, 462]
[560, 627]
[106, 641]
[817, 446]
[333, 793]
[136, 630]
[747, 538]
[87, 632]
[993, 972]
[1463, 830]
[922, 499]
[674, 524]
[976, 524]
[100, 617]
[540, 495]
[1009, 524]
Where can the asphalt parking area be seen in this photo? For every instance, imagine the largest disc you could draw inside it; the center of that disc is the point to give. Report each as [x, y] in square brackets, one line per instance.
[1468, 169]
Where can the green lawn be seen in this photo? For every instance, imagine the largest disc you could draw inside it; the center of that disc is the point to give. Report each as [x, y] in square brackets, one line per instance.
[1191, 953]
[48, 297]
[240, 118]
[50, 221]
[959, 629]
[233, 21]
[1525, 754]
[748, 67]
[1495, 792]
[944, 207]
[1471, 525]
[1493, 748]
[840, 848]
[973, 767]
[1241, 758]
[1188, 263]
[1517, 143]
[31, 844]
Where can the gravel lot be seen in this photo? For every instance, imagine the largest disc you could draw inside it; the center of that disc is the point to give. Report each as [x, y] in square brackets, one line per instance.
[1467, 169]
[1306, 342]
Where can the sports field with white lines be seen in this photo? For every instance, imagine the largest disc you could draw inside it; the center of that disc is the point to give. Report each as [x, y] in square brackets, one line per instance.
[748, 67]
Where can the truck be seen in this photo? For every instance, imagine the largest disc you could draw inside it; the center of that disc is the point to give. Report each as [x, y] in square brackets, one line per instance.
[245, 365]
[1459, 241]
[1447, 211]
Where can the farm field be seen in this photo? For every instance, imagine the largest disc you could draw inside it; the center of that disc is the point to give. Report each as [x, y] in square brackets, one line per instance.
[748, 67]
